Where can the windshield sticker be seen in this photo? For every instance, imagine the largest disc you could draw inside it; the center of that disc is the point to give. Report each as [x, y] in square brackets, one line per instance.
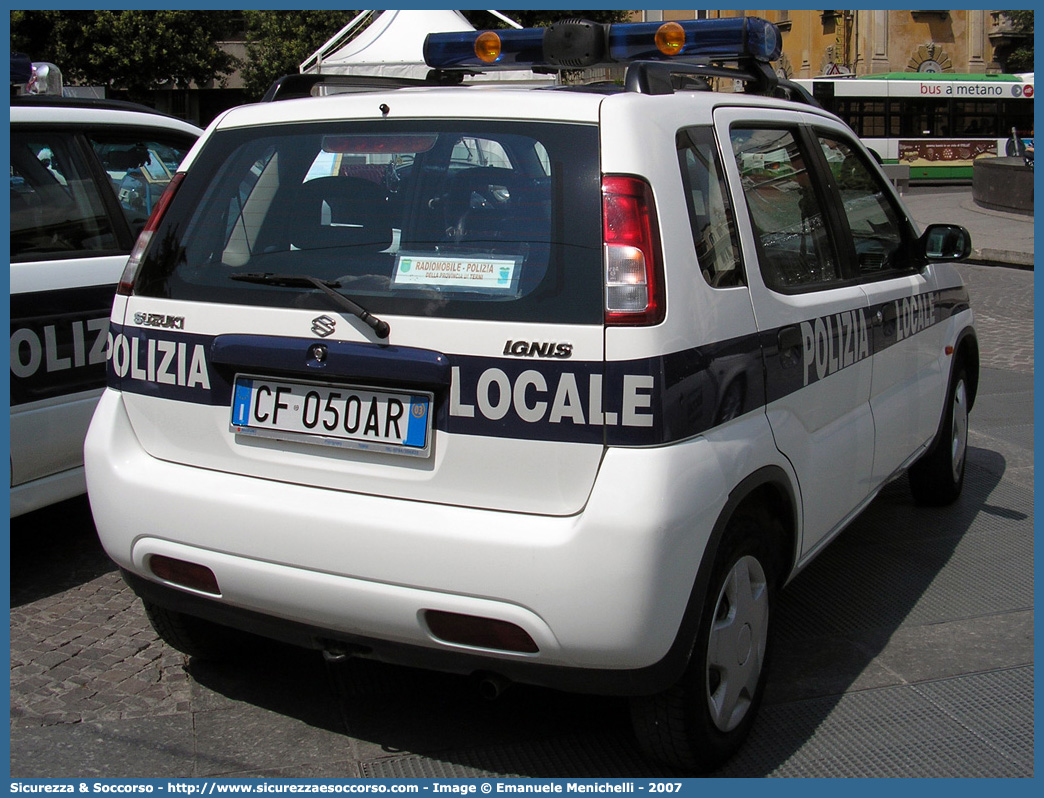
[483, 274]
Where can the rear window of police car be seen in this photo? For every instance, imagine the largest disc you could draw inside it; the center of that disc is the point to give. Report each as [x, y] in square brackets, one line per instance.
[477, 220]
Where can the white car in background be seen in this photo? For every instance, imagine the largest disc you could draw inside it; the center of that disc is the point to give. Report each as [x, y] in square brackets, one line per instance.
[84, 177]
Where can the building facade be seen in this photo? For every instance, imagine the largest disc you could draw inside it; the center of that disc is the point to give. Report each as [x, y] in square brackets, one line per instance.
[872, 42]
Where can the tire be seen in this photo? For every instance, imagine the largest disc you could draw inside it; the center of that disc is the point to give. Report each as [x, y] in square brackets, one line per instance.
[196, 637]
[937, 479]
[699, 722]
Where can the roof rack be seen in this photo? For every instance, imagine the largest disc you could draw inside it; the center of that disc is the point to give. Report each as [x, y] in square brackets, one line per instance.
[659, 77]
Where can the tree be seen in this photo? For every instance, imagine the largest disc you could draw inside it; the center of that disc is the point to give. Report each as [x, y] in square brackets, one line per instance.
[137, 51]
[133, 51]
[278, 41]
[1020, 59]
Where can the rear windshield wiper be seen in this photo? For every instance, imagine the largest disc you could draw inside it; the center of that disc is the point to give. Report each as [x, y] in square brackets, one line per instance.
[380, 328]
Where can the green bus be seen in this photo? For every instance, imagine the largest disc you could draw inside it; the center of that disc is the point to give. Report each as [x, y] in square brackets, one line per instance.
[937, 123]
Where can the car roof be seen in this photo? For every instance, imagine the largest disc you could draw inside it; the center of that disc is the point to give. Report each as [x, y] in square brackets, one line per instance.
[507, 102]
[78, 111]
[491, 101]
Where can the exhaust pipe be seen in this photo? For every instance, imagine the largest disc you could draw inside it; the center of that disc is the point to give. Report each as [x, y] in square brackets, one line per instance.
[337, 651]
[492, 686]
[333, 655]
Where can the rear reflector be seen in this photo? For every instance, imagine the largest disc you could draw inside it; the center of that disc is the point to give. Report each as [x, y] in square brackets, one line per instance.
[633, 261]
[186, 574]
[470, 630]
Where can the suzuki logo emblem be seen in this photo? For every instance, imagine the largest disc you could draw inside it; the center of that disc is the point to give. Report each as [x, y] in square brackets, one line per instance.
[323, 326]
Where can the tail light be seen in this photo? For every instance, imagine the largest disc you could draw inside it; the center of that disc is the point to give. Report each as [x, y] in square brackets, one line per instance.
[131, 269]
[634, 293]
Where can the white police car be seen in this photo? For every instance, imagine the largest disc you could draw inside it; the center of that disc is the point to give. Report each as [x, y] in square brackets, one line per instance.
[84, 176]
[549, 385]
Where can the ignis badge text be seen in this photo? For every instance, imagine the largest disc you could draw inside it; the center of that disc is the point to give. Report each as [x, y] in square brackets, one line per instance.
[537, 349]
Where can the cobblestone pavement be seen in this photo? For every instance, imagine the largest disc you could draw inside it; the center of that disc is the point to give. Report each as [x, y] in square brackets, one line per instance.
[94, 693]
[1003, 303]
[81, 647]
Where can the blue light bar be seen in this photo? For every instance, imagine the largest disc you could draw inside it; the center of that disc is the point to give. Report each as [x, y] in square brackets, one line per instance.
[522, 47]
[575, 44]
[716, 39]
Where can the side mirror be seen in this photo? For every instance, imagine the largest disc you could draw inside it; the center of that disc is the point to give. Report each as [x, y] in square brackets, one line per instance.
[949, 242]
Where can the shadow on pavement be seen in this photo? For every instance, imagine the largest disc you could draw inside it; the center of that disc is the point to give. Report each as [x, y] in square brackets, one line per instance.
[838, 615]
[280, 678]
[54, 549]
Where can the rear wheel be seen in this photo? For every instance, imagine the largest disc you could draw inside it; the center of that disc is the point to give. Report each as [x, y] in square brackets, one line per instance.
[196, 637]
[703, 719]
[938, 478]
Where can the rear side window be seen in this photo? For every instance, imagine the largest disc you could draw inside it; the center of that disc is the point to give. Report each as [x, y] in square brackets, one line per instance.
[56, 208]
[710, 210]
[463, 220]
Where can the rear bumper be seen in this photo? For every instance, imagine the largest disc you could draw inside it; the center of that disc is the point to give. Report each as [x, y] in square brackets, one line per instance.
[606, 594]
[639, 681]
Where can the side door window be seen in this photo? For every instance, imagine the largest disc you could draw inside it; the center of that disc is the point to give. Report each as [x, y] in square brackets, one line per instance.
[879, 233]
[795, 250]
[139, 167]
[56, 208]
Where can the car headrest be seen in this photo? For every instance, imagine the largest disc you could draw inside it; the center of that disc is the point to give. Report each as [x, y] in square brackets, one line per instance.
[341, 212]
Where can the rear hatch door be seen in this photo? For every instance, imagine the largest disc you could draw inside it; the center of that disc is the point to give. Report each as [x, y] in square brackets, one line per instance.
[410, 309]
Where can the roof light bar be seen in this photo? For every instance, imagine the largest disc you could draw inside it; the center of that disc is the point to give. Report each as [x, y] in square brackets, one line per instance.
[573, 44]
[717, 39]
[501, 48]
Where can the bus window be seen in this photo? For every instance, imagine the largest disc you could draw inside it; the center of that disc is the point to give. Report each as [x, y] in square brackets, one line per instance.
[923, 118]
[975, 119]
[865, 117]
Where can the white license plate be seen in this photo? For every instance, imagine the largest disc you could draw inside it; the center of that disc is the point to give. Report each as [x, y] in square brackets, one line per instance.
[333, 415]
